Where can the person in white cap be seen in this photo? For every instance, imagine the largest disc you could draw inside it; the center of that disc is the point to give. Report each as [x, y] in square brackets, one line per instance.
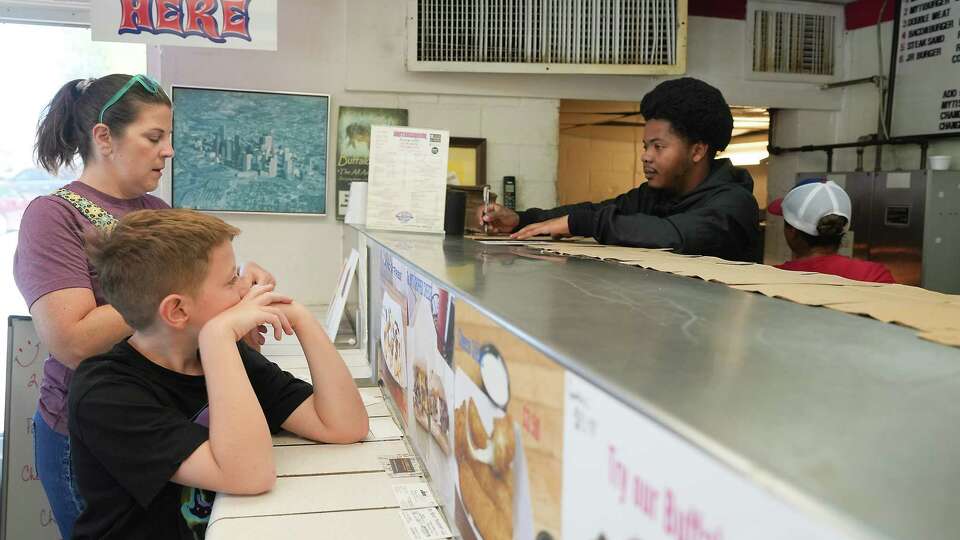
[816, 215]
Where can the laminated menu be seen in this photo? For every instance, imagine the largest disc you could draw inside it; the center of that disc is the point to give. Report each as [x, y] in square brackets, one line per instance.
[408, 179]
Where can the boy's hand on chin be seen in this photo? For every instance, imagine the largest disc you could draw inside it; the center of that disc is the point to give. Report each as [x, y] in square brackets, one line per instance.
[296, 313]
[260, 307]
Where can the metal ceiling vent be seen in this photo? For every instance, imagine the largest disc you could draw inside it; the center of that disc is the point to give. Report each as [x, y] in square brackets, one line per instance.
[793, 41]
[548, 36]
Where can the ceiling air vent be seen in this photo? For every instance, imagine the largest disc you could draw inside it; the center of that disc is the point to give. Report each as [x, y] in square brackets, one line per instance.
[548, 36]
[793, 41]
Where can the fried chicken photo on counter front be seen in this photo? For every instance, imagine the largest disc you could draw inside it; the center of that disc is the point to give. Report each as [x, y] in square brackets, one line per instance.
[487, 497]
[503, 445]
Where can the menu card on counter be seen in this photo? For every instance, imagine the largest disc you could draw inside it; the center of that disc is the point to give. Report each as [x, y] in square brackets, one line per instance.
[425, 524]
[408, 179]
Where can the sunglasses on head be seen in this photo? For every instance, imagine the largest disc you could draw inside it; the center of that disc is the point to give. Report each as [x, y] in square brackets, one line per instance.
[147, 83]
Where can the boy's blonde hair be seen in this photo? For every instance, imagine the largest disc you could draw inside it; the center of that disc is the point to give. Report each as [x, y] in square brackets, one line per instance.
[151, 254]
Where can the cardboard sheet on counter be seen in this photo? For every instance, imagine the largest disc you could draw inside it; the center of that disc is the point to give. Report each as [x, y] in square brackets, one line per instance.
[925, 317]
[605, 252]
[812, 294]
[916, 294]
[950, 338]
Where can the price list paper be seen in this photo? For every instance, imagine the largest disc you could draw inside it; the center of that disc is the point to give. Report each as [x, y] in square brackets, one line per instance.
[408, 179]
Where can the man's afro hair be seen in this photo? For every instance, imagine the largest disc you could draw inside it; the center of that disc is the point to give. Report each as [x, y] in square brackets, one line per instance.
[695, 110]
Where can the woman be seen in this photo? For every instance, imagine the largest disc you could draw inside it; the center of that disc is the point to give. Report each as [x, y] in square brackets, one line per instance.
[816, 215]
[120, 126]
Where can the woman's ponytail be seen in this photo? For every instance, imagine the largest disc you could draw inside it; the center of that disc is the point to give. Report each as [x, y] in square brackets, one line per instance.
[58, 139]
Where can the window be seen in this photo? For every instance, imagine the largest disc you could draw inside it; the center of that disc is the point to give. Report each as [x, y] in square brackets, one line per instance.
[49, 56]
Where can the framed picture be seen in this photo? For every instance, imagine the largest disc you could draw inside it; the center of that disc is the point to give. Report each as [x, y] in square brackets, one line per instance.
[250, 151]
[467, 165]
[353, 146]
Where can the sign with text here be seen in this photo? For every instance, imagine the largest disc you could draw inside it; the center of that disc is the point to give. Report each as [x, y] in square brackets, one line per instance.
[222, 24]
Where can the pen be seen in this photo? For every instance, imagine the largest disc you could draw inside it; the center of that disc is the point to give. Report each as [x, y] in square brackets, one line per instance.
[486, 201]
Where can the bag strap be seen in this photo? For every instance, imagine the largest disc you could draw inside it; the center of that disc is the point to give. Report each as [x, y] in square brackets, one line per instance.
[100, 218]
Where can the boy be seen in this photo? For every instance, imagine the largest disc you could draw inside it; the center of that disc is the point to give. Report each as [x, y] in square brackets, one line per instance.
[180, 409]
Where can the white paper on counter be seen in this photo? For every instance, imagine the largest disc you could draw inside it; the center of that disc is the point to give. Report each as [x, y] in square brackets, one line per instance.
[515, 242]
[416, 495]
[425, 524]
[408, 178]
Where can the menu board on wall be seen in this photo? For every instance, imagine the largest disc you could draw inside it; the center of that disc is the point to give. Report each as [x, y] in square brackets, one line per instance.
[627, 477]
[926, 69]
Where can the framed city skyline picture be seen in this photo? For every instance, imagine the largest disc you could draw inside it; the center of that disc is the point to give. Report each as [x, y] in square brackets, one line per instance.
[250, 151]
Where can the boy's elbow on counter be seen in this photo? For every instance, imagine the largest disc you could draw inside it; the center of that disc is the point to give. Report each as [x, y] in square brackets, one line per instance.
[256, 484]
[355, 432]
[362, 429]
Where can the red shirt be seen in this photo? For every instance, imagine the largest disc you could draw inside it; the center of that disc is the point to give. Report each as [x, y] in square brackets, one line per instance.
[838, 265]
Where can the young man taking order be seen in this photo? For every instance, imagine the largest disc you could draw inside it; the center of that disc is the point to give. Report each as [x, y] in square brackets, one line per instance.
[692, 202]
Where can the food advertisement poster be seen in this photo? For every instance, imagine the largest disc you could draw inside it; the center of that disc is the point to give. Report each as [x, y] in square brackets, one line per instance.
[353, 145]
[392, 343]
[431, 381]
[508, 434]
[625, 477]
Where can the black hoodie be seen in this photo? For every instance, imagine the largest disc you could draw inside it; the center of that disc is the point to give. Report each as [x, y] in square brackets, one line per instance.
[720, 217]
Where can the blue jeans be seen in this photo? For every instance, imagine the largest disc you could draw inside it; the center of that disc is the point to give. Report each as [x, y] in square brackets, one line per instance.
[51, 451]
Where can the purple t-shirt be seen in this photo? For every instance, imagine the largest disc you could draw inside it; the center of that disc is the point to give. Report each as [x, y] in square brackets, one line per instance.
[50, 258]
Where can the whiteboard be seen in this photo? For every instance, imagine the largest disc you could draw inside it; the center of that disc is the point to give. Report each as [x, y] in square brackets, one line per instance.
[24, 510]
[926, 69]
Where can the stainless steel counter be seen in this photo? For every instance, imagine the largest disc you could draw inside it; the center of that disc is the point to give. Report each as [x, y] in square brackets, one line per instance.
[850, 419]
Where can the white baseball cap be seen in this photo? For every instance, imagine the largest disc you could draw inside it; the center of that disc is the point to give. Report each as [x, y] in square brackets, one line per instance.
[805, 205]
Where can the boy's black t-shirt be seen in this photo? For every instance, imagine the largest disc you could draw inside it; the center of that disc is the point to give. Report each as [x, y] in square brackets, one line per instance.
[133, 422]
